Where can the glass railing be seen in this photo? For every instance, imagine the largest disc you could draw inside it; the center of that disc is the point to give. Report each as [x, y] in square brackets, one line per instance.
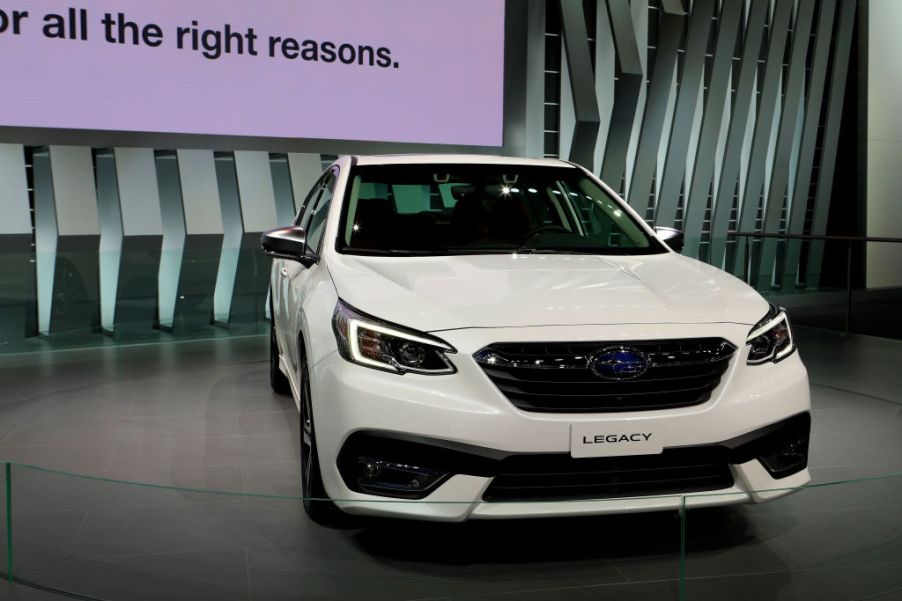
[100, 538]
[849, 284]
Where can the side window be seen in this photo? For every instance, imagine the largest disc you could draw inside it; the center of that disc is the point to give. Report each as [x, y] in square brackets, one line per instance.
[315, 224]
[311, 199]
[601, 219]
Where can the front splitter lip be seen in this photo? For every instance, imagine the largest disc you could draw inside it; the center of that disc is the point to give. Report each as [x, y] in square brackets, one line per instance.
[460, 499]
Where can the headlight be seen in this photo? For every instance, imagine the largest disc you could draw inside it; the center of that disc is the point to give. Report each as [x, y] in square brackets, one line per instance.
[771, 338]
[374, 343]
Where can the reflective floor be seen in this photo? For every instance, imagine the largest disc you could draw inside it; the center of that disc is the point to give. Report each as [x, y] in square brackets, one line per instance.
[199, 415]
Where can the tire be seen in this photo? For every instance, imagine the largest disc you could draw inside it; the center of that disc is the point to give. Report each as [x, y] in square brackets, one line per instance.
[317, 504]
[277, 380]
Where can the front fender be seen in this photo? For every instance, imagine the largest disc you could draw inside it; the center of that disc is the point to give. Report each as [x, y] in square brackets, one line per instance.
[314, 314]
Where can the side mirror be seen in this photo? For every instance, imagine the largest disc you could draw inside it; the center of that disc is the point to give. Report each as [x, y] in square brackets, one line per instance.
[671, 237]
[288, 243]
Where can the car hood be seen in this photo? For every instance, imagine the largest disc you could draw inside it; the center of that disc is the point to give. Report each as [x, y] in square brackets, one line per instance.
[451, 292]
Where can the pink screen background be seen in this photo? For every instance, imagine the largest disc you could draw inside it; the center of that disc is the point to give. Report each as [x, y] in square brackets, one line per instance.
[448, 88]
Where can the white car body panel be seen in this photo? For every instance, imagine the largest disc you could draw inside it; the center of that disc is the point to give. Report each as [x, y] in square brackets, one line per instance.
[443, 293]
[473, 301]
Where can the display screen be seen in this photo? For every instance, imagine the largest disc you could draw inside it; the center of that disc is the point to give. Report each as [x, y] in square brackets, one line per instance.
[418, 71]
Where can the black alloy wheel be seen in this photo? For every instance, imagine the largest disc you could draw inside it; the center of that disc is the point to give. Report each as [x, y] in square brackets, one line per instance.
[316, 502]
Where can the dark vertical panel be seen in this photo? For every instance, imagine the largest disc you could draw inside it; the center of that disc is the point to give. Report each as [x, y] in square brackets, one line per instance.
[258, 214]
[46, 233]
[626, 94]
[792, 99]
[712, 120]
[582, 83]
[534, 44]
[670, 35]
[815, 97]
[17, 284]
[233, 229]
[684, 112]
[281, 183]
[173, 219]
[732, 158]
[194, 181]
[110, 219]
[17, 276]
[552, 99]
[767, 104]
[522, 84]
[831, 134]
[75, 297]
[628, 60]
[137, 289]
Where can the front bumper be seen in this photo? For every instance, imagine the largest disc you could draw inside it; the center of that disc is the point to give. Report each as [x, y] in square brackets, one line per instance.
[465, 411]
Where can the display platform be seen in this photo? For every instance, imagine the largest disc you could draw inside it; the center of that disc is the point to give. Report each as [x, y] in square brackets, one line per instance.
[169, 471]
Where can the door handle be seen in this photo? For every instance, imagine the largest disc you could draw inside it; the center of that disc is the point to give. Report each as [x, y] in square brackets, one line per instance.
[284, 272]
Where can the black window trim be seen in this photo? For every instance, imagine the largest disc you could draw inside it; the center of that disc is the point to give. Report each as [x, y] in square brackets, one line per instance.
[315, 191]
[330, 176]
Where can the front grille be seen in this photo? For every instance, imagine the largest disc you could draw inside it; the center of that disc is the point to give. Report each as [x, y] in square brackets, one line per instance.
[560, 476]
[559, 377]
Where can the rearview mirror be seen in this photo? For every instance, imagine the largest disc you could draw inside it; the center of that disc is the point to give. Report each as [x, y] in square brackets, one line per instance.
[671, 237]
[288, 243]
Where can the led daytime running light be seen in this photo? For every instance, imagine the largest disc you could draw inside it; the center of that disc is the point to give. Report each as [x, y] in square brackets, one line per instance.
[766, 327]
[350, 326]
[777, 354]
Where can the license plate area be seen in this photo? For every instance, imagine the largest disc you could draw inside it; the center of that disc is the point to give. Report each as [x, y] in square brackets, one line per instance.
[612, 440]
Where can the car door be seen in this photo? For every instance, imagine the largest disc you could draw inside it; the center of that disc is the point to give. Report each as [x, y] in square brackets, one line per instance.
[295, 275]
[280, 271]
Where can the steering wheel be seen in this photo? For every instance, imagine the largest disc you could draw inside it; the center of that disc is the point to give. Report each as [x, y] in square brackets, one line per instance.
[543, 228]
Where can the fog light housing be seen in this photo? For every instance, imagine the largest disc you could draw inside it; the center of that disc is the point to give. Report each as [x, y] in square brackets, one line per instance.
[786, 458]
[394, 479]
[782, 448]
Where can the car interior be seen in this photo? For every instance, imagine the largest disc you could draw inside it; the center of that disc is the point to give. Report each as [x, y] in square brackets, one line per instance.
[444, 215]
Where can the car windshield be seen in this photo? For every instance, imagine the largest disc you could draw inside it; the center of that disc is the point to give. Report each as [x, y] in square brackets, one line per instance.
[445, 209]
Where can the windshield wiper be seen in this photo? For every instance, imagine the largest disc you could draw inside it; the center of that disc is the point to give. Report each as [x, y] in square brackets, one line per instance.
[406, 252]
[559, 251]
[478, 251]
[382, 252]
[400, 252]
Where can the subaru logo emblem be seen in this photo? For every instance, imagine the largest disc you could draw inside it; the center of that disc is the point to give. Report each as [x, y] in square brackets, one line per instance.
[619, 363]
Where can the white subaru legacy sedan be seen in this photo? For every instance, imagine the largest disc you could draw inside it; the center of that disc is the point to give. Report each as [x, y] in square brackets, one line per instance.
[488, 337]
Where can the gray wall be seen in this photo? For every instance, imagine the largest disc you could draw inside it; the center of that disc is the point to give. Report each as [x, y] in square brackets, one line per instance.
[125, 240]
[884, 141]
[715, 116]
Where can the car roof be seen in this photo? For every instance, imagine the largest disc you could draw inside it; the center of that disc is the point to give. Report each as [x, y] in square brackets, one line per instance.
[462, 159]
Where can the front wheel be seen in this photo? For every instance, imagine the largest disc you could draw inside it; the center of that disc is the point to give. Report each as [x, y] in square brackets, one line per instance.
[316, 502]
